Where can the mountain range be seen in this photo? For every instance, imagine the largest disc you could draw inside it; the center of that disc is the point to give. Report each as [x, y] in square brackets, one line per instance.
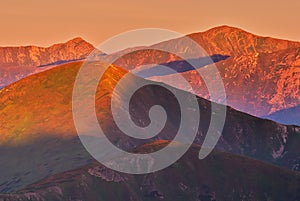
[261, 75]
[42, 157]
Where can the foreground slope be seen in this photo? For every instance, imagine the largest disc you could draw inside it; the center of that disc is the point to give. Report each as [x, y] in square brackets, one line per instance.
[221, 176]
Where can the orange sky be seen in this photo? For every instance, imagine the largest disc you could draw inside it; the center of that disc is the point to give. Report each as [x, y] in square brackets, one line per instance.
[44, 22]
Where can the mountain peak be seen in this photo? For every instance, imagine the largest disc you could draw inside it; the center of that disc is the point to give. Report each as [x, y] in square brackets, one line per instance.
[73, 41]
[234, 41]
[77, 40]
[225, 28]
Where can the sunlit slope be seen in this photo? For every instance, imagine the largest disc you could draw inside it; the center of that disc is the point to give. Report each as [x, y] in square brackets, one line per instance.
[41, 104]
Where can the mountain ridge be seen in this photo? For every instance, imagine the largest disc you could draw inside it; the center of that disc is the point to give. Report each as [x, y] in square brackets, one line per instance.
[267, 64]
[19, 62]
[35, 56]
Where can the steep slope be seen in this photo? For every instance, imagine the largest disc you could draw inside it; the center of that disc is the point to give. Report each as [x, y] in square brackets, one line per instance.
[261, 75]
[220, 176]
[37, 129]
[258, 84]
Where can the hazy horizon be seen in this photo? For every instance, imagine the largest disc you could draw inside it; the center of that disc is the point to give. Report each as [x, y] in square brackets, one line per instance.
[43, 23]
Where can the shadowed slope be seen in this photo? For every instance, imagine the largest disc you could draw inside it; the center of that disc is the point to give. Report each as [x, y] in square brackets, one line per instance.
[220, 176]
[288, 116]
